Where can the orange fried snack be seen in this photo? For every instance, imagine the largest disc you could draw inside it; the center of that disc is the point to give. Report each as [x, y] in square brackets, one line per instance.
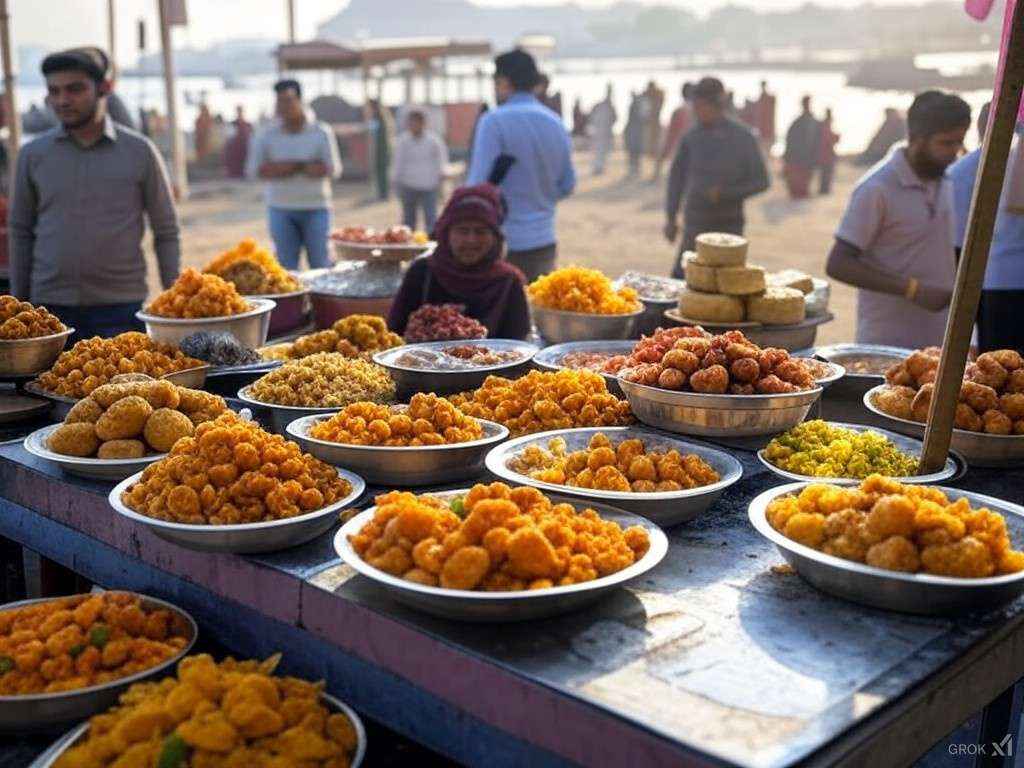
[909, 528]
[427, 420]
[253, 270]
[195, 294]
[352, 336]
[494, 539]
[93, 362]
[540, 401]
[77, 642]
[604, 466]
[232, 471]
[236, 714]
[578, 289]
[21, 320]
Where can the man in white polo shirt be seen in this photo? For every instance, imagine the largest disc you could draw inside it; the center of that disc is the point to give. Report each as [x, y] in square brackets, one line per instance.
[896, 241]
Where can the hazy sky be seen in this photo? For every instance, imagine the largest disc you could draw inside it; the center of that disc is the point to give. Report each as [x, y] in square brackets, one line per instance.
[62, 23]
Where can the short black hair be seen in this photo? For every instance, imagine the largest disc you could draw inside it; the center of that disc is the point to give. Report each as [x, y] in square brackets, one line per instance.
[89, 60]
[710, 89]
[520, 69]
[288, 85]
[687, 90]
[937, 112]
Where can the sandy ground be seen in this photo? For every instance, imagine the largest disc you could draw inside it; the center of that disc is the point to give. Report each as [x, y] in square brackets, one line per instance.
[611, 222]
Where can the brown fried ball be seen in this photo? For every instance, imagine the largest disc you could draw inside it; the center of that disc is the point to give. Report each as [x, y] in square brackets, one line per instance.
[682, 360]
[967, 418]
[1012, 405]
[86, 410]
[122, 449]
[1018, 427]
[773, 385]
[108, 394]
[921, 364]
[741, 389]
[899, 376]
[713, 380]
[745, 369]
[795, 372]
[738, 350]
[671, 378]
[698, 346]
[78, 439]
[165, 427]
[979, 396]
[125, 418]
[996, 422]
[1015, 383]
[1010, 359]
[160, 394]
[922, 402]
[896, 401]
[714, 357]
[988, 371]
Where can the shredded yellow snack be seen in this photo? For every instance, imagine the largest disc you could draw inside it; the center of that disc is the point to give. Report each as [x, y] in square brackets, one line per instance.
[324, 380]
[427, 420]
[253, 270]
[579, 289]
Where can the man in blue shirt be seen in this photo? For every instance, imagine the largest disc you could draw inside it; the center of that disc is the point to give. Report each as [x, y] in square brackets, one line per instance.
[523, 147]
[1002, 296]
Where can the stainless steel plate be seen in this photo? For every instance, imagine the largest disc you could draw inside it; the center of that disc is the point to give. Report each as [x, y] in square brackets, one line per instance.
[466, 605]
[383, 252]
[245, 538]
[250, 328]
[837, 373]
[692, 413]
[550, 358]
[49, 758]
[190, 378]
[96, 469]
[403, 466]
[48, 711]
[410, 380]
[283, 415]
[906, 444]
[663, 507]
[843, 353]
[978, 448]
[558, 327]
[893, 590]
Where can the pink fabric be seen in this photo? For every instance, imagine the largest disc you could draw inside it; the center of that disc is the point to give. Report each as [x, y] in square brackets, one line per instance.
[980, 10]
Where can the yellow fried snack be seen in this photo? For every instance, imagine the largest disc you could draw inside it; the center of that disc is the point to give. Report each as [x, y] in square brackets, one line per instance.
[124, 418]
[121, 449]
[578, 289]
[351, 336]
[427, 420]
[606, 466]
[495, 539]
[21, 320]
[910, 528]
[76, 642]
[236, 714]
[541, 401]
[819, 449]
[231, 471]
[323, 380]
[78, 439]
[93, 362]
[86, 409]
[165, 427]
[253, 270]
[195, 294]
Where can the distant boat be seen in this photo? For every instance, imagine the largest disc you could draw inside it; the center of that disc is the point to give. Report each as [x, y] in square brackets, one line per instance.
[902, 74]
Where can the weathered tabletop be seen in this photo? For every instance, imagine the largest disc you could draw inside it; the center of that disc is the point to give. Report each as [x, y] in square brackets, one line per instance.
[711, 659]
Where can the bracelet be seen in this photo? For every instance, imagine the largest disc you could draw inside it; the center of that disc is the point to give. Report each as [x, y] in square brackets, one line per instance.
[911, 290]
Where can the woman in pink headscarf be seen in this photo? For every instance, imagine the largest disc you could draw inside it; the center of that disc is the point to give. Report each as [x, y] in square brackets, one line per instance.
[468, 267]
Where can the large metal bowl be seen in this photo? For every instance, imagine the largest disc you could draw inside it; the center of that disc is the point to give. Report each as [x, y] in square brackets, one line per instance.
[663, 507]
[550, 358]
[96, 469]
[557, 327]
[410, 380]
[978, 448]
[283, 415]
[243, 538]
[49, 758]
[953, 467]
[402, 465]
[854, 384]
[467, 605]
[892, 590]
[51, 711]
[290, 311]
[21, 358]
[693, 413]
[796, 336]
[250, 328]
[190, 378]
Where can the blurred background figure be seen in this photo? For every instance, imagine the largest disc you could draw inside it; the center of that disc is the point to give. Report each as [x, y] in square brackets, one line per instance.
[203, 136]
[579, 120]
[827, 140]
[678, 124]
[892, 130]
[601, 125]
[764, 118]
[381, 128]
[418, 170]
[237, 146]
[552, 101]
[633, 133]
[801, 152]
[655, 97]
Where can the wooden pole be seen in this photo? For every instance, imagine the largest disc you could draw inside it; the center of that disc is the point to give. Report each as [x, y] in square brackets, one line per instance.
[111, 32]
[179, 173]
[11, 116]
[970, 277]
[291, 21]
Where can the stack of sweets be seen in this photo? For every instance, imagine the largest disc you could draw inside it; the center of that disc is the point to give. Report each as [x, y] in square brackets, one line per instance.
[722, 288]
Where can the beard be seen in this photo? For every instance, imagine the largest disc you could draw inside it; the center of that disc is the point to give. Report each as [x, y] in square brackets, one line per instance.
[927, 167]
[83, 119]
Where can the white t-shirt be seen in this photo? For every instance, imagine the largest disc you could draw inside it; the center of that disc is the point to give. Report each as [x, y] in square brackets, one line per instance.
[419, 162]
[902, 224]
[315, 141]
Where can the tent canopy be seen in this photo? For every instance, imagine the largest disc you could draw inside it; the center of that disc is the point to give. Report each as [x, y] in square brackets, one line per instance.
[323, 54]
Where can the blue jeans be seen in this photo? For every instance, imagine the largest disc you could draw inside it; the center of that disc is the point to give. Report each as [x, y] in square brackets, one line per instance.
[413, 200]
[292, 229]
[100, 320]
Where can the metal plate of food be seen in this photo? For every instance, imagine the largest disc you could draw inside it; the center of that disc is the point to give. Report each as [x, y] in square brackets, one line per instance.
[825, 373]
[242, 538]
[190, 378]
[23, 358]
[430, 367]
[283, 415]
[664, 508]
[553, 358]
[93, 468]
[894, 590]
[250, 328]
[469, 605]
[349, 251]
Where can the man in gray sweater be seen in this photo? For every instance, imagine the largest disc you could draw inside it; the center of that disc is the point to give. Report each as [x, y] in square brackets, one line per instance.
[80, 192]
[718, 165]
